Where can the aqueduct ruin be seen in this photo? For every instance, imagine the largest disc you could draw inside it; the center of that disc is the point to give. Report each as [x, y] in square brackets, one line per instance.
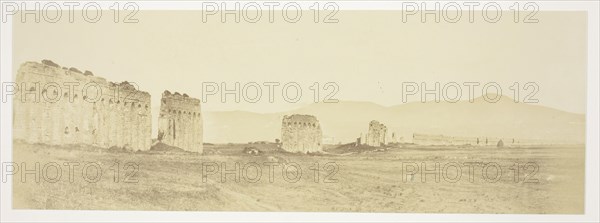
[58, 106]
[180, 122]
[301, 133]
[376, 135]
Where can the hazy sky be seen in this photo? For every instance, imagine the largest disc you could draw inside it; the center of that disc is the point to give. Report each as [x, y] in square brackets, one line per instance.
[368, 54]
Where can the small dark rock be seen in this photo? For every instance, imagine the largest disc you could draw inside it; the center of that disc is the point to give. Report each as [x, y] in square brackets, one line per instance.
[252, 151]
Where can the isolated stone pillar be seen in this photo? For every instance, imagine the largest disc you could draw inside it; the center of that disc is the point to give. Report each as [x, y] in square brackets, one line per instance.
[301, 133]
[377, 134]
[175, 125]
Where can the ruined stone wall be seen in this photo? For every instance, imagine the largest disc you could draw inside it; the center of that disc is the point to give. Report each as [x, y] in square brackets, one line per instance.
[377, 134]
[301, 133]
[180, 122]
[46, 110]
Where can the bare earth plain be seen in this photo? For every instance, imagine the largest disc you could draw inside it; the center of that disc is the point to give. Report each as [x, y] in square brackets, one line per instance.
[350, 179]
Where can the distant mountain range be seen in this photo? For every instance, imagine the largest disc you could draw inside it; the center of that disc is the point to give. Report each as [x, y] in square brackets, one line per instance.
[346, 120]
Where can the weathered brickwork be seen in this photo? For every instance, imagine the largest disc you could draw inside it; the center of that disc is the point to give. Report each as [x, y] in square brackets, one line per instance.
[301, 133]
[377, 134]
[180, 122]
[59, 106]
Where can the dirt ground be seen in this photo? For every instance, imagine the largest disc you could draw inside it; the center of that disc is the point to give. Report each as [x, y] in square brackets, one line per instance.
[343, 179]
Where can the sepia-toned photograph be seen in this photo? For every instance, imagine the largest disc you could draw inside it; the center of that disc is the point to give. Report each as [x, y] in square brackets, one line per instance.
[299, 107]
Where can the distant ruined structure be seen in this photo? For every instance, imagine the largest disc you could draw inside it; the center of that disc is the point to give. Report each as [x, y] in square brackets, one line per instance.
[500, 143]
[301, 133]
[443, 140]
[57, 106]
[180, 122]
[394, 138]
[376, 135]
[428, 139]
